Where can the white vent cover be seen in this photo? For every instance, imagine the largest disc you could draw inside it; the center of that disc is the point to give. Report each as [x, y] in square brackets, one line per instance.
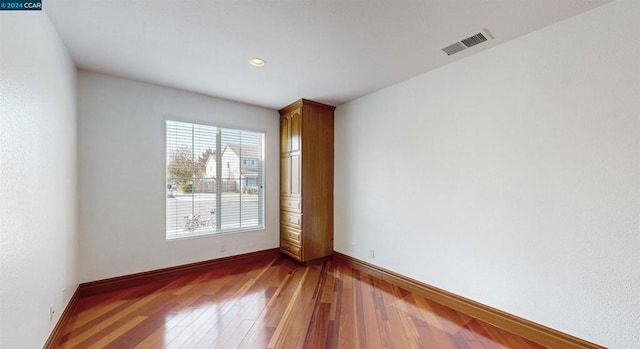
[466, 43]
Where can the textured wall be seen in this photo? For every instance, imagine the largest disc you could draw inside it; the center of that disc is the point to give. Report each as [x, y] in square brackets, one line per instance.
[511, 177]
[122, 175]
[38, 239]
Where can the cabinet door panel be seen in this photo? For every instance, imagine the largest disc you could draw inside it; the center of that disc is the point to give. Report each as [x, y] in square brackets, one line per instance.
[295, 128]
[294, 174]
[285, 135]
[285, 177]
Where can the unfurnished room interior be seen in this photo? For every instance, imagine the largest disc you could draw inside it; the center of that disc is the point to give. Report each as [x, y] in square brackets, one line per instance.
[320, 174]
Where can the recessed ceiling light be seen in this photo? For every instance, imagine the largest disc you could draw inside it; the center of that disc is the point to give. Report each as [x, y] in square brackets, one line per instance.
[257, 62]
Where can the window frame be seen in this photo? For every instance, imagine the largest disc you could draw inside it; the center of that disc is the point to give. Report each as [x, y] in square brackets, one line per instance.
[262, 210]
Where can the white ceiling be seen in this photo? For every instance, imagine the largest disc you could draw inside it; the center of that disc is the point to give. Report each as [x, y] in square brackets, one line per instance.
[329, 51]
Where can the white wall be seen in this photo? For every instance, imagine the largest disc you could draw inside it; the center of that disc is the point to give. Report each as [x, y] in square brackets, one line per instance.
[38, 173]
[511, 177]
[122, 175]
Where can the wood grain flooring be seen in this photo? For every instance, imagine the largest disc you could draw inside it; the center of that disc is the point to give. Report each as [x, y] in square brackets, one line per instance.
[276, 304]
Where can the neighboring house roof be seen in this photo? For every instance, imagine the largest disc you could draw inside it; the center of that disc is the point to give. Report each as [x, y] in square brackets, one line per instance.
[247, 172]
[212, 157]
[245, 151]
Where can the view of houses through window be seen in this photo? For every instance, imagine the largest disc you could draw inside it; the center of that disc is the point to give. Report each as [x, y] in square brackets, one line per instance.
[215, 180]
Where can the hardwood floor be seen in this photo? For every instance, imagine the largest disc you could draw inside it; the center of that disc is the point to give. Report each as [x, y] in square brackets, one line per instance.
[276, 304]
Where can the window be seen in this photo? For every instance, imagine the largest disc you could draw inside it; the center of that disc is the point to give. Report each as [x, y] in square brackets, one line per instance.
[204, 198]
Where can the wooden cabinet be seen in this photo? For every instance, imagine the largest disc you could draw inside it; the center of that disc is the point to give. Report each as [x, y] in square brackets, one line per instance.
[306, 180]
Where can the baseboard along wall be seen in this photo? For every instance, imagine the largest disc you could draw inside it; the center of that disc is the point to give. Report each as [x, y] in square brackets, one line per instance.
[530, 330]
[120, 282]
[69, 310]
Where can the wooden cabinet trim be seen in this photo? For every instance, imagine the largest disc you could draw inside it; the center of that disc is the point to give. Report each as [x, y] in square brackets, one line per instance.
[305, 102]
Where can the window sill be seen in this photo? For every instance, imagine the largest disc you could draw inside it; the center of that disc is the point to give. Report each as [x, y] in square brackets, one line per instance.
[205, 233]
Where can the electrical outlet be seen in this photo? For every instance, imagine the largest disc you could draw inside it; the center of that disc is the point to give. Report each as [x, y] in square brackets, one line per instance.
[64, 295]
[372, 254]
[222, 248]
[51, 312]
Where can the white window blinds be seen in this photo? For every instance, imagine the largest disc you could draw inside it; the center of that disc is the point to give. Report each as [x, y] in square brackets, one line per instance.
[215, 180]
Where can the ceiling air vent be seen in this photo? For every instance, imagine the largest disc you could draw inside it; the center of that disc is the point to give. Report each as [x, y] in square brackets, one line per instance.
[455, 48]
[466, 43]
